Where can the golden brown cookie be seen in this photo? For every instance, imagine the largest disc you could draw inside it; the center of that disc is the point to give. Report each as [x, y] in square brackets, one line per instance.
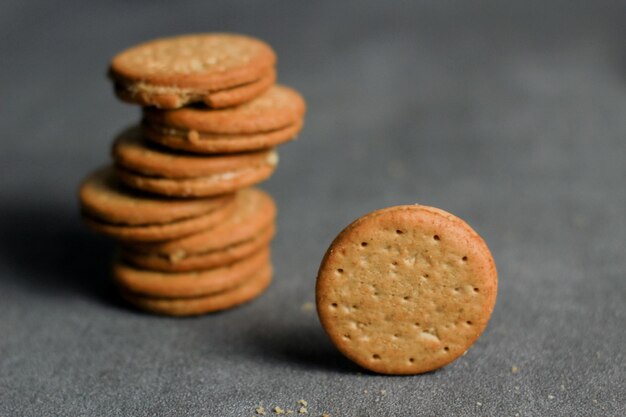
[406, 289]
[245, 292]
[272, 118]
[117, 211]
[218, 69]
[152, 168]
[255, 212]
[188, 284]
[192, 141]
[179, 262]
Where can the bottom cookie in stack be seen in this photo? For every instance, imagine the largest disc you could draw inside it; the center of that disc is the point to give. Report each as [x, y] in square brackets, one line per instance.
[209, 271]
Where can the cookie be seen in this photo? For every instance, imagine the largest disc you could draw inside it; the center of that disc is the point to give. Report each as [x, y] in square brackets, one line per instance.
[245, 292]
[268, 120]
[406, 289]
[180, 262]
[112, 209]
[192, 141]
[149, 167]
[218, 69]
[188, 284]
[255, 211]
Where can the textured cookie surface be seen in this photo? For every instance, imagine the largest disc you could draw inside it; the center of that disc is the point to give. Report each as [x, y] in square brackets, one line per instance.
[172, 72]
[245, 292]
[277, 108]
[103, 197]
[406, 289]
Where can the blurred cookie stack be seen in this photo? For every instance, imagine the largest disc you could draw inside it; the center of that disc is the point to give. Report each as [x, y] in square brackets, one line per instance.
[194, 235]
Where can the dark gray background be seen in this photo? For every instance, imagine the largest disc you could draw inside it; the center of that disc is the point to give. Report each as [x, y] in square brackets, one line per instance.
[510, 115]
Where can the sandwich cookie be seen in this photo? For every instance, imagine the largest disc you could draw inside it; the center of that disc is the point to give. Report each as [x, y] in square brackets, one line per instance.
[112, 209]
[181, 261]
[188, 284]
[254, 214]
[245, 292]
[149, 167]
[270, 119]
[406, 289]
[217, 69]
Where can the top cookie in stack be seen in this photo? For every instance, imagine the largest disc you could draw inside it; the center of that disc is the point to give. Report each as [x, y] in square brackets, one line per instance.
[219, 70]
[194, 237]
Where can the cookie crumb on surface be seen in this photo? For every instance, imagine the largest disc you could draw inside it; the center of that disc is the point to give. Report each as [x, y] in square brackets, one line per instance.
[325, 415]
[260, 410]
[308, 306]
[303, 410]
[278, 410]
[514, 369]
[478, 403]
[303, 402]
[550, 397]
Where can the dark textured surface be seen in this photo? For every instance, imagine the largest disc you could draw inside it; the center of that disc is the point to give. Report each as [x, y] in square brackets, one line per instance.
[510, 115]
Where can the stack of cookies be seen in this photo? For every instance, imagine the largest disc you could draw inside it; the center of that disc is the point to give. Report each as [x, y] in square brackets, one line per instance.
[194, 235]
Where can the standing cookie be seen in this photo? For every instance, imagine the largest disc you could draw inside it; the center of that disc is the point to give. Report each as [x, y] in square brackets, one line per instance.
[218, 69]
[406, 289]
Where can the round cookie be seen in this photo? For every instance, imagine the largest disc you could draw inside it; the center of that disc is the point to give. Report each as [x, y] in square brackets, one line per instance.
[172, 72]
[133, 152]
[245, 292]
[112, 209]
[177, 262]
[193, 141]
[154, 169]
[102, 196]
[255, 211]
[278, 107]
[188, 284]
[406, 289]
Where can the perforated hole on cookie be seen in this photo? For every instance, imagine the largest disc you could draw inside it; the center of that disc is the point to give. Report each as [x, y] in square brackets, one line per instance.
[340, 270]
[464, 259]
[398, 231]
[436, 237]
[376, 356]
[363, 244]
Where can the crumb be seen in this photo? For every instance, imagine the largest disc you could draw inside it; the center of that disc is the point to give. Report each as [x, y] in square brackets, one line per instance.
[289, 411]
[598, 355]
[550, 397]
[516, 414]
[562, 387]
[594, 401]
[260, 410]
[325, 415]
[364, 391]
[516, 388]
[307, 307]
[478, 403]
[383, 392]
[303, 410]
[303, 402]
[514, 369]
[278, 410]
